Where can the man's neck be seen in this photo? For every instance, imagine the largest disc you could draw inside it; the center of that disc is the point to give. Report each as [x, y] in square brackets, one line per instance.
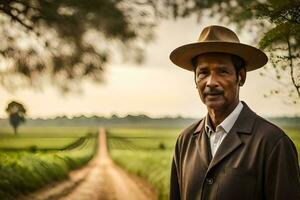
[218, 115]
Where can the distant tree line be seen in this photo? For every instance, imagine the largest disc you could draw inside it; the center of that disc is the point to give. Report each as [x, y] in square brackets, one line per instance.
[129, 120]
[133, 121]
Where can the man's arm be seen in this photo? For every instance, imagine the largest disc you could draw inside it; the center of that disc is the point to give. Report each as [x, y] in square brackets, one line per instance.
[282, 180]
[174, 183]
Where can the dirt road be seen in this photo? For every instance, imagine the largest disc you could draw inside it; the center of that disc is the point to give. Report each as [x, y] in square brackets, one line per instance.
[101, 179]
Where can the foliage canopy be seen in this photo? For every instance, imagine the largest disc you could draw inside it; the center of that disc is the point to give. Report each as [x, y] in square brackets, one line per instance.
[67, 41]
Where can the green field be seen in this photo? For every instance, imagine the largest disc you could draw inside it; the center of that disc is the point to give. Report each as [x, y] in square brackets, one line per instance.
[294, 134]
[148, 153]
[57, 132]
[38, 156]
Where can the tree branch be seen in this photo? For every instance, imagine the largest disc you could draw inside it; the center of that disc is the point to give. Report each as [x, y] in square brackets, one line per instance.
[7, 10]
[292, 67]
[27, 4]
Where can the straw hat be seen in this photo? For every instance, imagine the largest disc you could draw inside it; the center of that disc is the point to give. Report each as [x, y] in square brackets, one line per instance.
[218, 39]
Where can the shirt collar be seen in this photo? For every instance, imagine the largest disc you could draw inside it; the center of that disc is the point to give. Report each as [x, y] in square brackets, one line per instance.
[227, 123]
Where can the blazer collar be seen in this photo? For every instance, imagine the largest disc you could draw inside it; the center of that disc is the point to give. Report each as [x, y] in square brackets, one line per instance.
[243, 124]
[232, 141]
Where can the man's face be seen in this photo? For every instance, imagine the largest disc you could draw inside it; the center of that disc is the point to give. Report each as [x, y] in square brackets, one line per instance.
[217, 82]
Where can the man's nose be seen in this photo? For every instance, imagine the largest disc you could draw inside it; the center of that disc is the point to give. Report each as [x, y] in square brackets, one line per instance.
[212, 81]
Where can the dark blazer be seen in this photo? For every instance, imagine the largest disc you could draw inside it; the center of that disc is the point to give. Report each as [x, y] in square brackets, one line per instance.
[256, 160]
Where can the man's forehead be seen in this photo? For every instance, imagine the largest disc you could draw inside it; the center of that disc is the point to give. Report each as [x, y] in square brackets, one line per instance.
[213, 58]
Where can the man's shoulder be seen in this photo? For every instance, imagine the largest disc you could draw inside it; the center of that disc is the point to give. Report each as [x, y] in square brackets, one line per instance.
[273, 137]
[260, 125]
[268, 127]
[189, 131]
[269, 132]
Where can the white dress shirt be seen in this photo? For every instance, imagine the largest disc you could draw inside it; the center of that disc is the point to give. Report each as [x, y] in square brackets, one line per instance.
[216, 137]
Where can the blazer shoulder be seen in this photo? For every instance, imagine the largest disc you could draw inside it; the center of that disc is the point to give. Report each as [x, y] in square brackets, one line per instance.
[260, 127]
[269, 127]
[269, 131]
[187, 133]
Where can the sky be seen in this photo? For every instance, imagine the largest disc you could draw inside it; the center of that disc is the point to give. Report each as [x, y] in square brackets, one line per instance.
[156, 88]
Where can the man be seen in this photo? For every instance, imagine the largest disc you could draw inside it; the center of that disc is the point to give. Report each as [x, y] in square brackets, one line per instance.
[231, 154]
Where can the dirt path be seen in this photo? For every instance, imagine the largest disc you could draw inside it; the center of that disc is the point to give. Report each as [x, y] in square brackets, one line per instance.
[101, 179]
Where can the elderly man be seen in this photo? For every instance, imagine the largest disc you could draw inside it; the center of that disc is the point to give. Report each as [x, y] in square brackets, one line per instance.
[231, 154]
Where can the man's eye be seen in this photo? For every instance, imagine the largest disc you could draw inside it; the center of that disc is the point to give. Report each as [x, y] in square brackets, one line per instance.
[201, 73]
[223, 71]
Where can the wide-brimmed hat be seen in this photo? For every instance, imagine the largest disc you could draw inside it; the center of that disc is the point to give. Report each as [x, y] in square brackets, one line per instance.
[218, 39]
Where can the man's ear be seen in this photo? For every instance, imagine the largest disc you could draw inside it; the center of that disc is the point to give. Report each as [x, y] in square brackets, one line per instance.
[242, 77]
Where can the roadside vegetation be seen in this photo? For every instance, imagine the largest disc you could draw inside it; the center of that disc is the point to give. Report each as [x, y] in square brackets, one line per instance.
[146, 153]
[32, 160]
[37, 156]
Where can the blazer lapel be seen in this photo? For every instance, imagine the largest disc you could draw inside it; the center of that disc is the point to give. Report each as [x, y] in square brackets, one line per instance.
[202, 143]
[228, 145]
[232, 141]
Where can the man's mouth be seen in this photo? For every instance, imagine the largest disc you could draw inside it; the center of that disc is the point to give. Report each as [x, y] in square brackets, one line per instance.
[214, 94]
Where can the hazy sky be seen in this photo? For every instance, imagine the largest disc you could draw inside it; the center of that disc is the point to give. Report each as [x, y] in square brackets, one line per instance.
[156, 88]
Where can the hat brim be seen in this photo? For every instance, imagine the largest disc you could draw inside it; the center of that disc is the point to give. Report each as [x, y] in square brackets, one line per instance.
[183, 55]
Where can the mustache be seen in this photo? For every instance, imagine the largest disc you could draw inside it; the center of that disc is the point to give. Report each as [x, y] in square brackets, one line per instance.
[212, 91]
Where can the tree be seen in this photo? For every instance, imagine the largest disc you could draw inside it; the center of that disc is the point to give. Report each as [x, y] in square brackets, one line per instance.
[17, 113]
[283, 44]
[66, 42]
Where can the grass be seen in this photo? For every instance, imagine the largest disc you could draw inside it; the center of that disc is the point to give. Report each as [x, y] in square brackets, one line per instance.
[50, 138]
[150, 165]
[38, 156]
[56, 132]
[24, 170]
[146, 153]
[35, 143]
[294, 134]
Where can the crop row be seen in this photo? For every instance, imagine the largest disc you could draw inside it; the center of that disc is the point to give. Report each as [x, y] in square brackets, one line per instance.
[146, 153]
[152, 166]
[24, 171]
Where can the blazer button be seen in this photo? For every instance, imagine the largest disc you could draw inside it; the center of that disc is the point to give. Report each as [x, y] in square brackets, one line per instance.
[209, 181]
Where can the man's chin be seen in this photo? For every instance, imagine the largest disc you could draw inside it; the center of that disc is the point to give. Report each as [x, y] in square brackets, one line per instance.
[216, 105]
